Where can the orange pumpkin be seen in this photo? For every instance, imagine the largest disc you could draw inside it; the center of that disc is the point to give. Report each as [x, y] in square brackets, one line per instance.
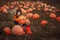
[38, 9]
[58, 19]
[5, 6]
[23, 11]
[29, 10]
[17, 2]
[14, 2]
[19, 6]
[43, 22]
[50, 10]
[11, 7]
[25, 6]
[29, 15]
[4, 10]
[36, 16]
[17, 30]
[52, 15]
[7, 30]
[46, 9]
[32, 6]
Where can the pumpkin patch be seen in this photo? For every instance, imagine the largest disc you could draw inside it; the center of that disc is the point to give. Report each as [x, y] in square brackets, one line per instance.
[29, 20]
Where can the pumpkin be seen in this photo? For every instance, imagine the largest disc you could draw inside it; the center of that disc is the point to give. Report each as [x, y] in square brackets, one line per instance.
[36, 16]
[39, 9]
[12, 3]
[17, 30]
[50, 10]
[4, 10]
[17, 2]
[32, 6]
[58, 19]
[29, 10]
[43, 22]
[52, 15]
[7, 30]
[46, 9]
[23, 11]
[29, 15]
[11, 7]
[5, 6]
[19, 6]
[25, 6]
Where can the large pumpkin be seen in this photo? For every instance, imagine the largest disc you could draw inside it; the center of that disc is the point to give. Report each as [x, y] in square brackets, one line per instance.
[7, 30]
[58, 19]
[43, 22]
[17, 30]
[29, 15]
[52, 15]
[36, 16]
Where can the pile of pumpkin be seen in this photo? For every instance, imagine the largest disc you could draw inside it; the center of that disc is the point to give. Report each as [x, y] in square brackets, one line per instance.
[17, 30]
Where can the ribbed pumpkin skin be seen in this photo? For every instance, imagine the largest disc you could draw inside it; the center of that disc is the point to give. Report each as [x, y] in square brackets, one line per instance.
[17, 30]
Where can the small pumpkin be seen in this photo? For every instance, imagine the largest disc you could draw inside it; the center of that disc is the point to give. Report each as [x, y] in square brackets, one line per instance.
[29, 15]
[36, 16]
[58, 19]
[23, 11]
[4, 10]
[7, 30]
[29, 10]
[52, 15]
[11, 7]
[46, 9]
[43, 22]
